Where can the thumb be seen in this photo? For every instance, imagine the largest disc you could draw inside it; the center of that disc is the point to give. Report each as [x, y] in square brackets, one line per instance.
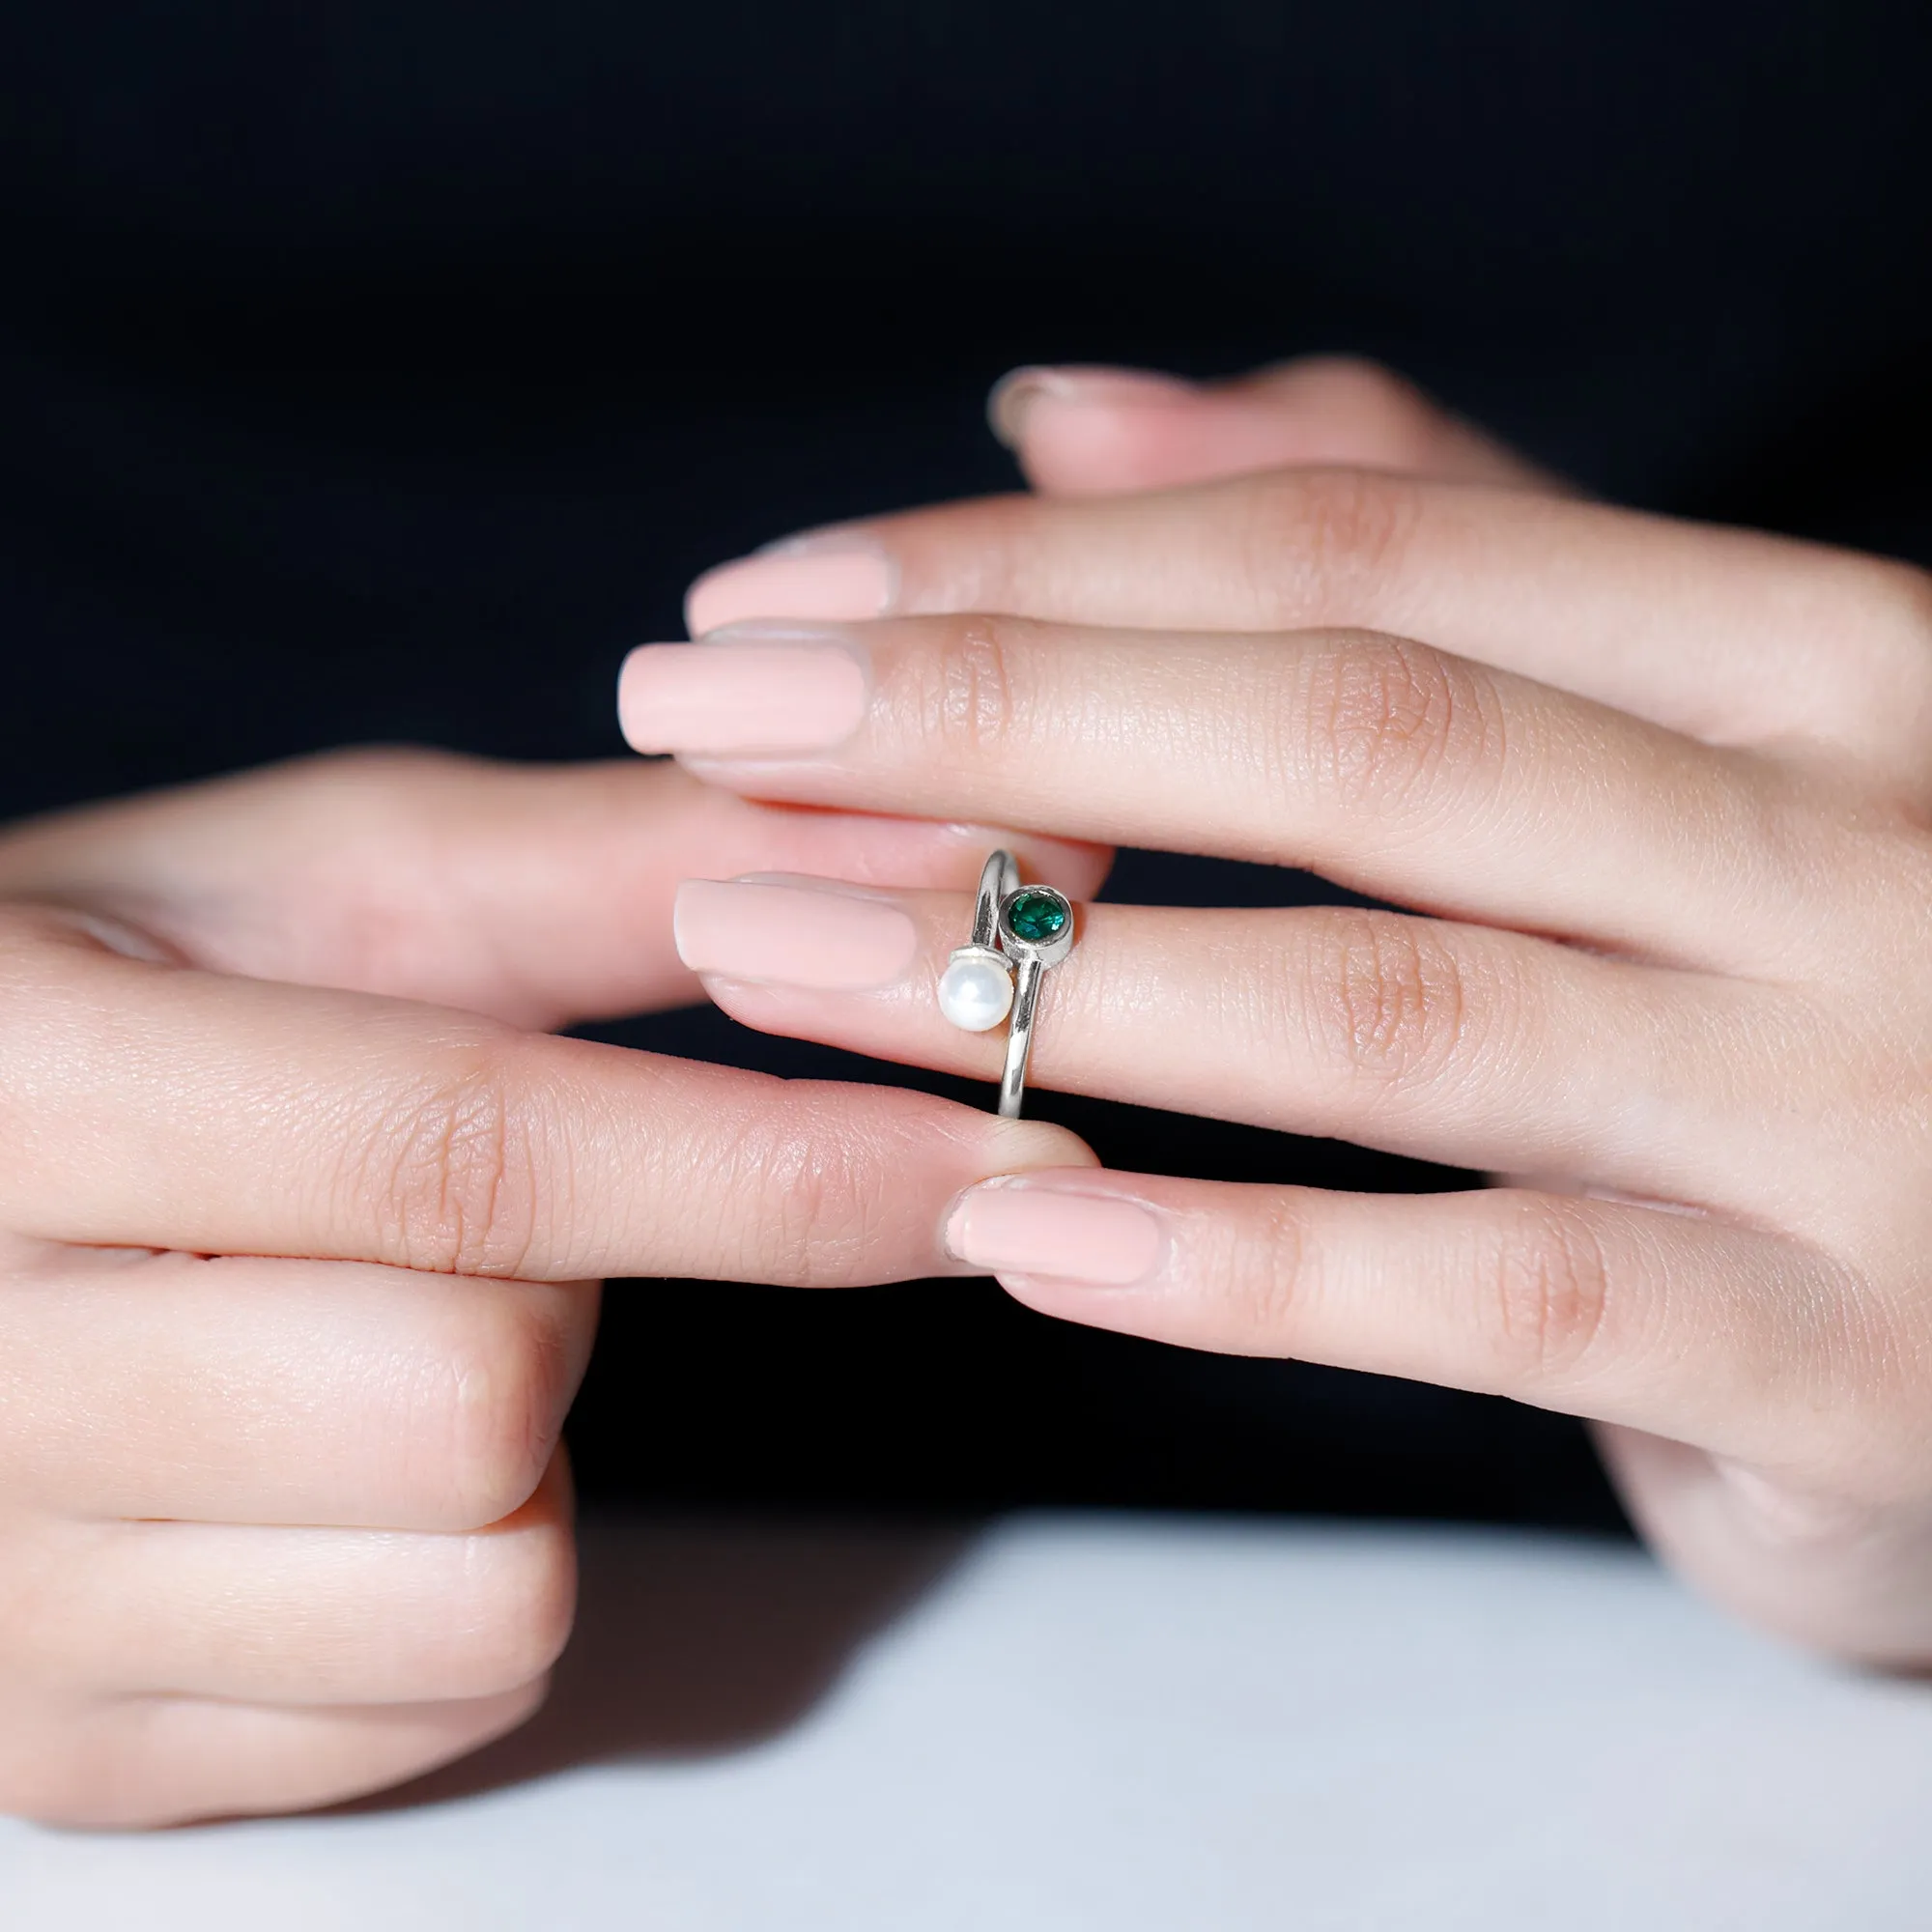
[1098, 432]
[537, 894]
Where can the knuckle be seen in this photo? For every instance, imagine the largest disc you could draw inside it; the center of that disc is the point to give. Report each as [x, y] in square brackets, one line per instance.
[1323, 534]
[517, 1607]
[1277, 1282]
[1368, 393]
[965, 693]
[376, 771]
[1550, 1280]
[1379, 721]
[1386, 996]
[503, 1385]
[450, 1168]
[1351, 376]
[817, 1207]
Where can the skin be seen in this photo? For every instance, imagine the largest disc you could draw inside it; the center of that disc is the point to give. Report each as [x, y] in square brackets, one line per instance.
[302, 1216]
[1653, 802]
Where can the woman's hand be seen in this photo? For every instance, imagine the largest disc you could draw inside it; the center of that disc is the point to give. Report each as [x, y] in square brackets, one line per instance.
[1663, 792]
[296, 1280]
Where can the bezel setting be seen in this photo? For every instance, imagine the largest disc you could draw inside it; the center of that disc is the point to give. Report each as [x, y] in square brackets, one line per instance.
[1047, 951]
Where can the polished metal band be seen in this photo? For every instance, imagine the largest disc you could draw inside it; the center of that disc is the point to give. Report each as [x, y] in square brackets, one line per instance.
[999, 879]
[1019, 1036]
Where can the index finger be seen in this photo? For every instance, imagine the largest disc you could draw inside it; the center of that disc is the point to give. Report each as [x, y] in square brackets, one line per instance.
[1727, 635]
[148, 1106]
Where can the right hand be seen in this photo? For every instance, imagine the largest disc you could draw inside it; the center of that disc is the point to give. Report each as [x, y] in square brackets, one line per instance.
[299, 1233]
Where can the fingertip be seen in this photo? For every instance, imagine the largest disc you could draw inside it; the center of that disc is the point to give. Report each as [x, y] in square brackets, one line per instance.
[1014, 398]
[832, 576]
[1081, 430]
[1030, 1146]
[633, 675]
[1100, 431]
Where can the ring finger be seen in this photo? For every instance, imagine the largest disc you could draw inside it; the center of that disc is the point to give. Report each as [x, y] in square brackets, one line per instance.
[1421, 1036]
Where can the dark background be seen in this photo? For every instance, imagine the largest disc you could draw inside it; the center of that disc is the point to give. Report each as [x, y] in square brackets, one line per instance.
[384, 371]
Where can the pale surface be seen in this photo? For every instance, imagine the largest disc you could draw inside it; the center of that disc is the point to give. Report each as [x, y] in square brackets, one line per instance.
[1070, 1723]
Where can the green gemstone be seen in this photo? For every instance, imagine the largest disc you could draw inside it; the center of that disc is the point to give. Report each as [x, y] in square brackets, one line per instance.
[1037, 917]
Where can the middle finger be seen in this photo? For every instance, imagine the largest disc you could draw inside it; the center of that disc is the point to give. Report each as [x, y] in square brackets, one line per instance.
[1399, 770]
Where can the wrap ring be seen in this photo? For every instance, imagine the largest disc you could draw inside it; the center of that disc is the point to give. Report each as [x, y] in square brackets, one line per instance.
[1018, 931]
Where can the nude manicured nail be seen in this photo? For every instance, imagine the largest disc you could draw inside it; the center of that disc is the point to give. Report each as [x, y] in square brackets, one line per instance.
[763, 691]
[1016, 393]
[840, 580]
[795, 933]
[1026, 1228]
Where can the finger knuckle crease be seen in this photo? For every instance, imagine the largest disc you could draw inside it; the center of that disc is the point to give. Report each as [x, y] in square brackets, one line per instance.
[1279, 1284]
[825, 1205]
[1552, 1285]
[1333, 529]
[970, 704]
[452, 1174]
[1390, 999]
[1380, 720]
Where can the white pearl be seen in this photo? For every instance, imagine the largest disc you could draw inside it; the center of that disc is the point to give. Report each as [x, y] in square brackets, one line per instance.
[976, 993]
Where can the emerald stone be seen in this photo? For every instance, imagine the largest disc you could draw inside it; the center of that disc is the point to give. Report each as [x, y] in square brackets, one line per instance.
[1037, 915]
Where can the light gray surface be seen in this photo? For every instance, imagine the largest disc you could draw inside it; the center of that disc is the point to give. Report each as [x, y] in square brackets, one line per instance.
[1070, 1723]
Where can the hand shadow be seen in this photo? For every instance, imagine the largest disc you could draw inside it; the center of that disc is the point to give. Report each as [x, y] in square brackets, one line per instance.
[700, 1636]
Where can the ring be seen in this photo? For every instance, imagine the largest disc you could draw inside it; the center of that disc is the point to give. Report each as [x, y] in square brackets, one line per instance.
[1018, 931]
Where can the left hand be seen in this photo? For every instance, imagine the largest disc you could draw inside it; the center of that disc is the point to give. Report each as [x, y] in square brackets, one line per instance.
[1658, 796]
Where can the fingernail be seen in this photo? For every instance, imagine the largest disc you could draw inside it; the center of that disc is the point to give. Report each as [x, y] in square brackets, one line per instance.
[828, 574]
[796, 932]
[1016, 393]
[1028, 1227]
[760, 691]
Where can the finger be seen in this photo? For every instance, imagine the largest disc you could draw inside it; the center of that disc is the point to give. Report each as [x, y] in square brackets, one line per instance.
[1388, 766]
[1838, 1570]
[1101, 432]
[1457, 1043]
[1724, 635]
[539, 894]
[151, 1107]
[139, 1763]
[303, 1615]
[296, 1393]
[1737, 1340]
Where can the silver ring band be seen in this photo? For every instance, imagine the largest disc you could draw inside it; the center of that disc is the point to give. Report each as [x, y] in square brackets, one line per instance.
[1018, 931]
